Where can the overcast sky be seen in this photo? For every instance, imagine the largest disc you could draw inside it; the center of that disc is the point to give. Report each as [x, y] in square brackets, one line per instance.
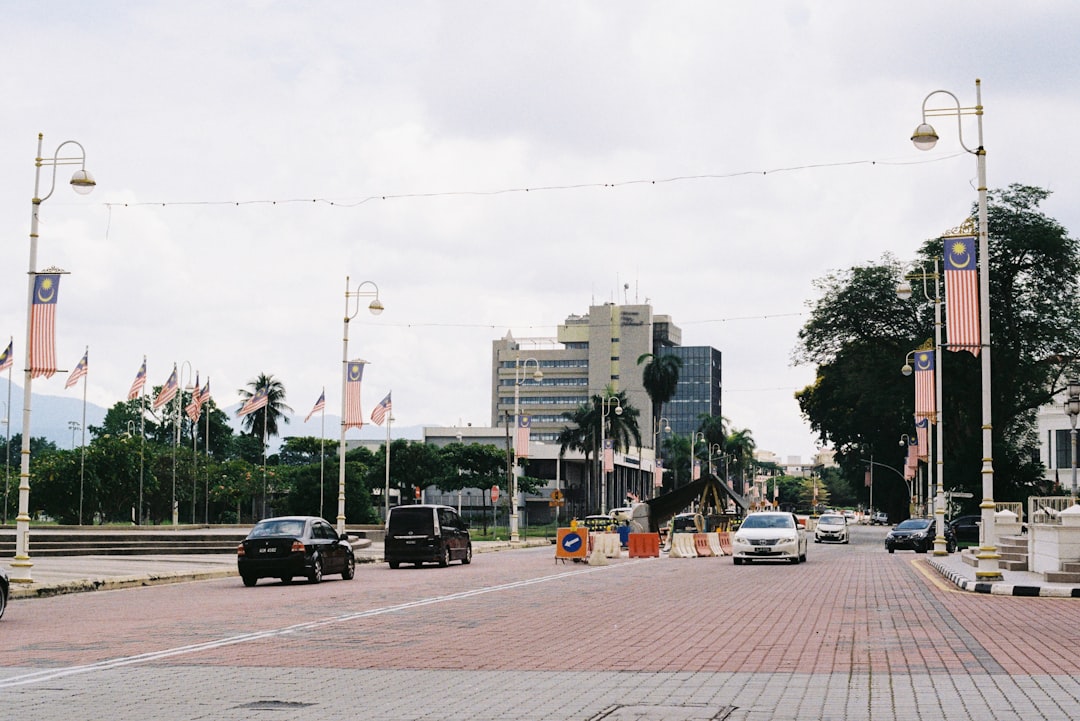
[712, 158]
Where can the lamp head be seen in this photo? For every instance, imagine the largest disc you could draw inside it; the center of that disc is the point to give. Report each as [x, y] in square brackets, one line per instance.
[375, 306]
[538, 375]
[1073, 388]
[924, 137]
[903, 291]
[618, 410]
[82, 182]
[906, 369]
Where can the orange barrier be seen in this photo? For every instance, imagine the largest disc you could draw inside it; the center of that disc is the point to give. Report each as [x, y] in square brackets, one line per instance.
[725, 541]
[701, 545]
[644, 545]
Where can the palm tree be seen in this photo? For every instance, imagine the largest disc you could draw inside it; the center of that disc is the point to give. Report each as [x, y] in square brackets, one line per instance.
[660, 376]
[714, 428]
[274, 410]
[584, 435]
[740, 447]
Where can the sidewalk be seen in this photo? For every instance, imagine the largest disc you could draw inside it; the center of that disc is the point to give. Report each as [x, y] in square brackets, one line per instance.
[1014, 583]
[56, 575]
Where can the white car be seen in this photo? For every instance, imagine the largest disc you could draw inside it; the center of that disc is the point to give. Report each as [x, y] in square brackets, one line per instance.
[832, 528]
[769, 536]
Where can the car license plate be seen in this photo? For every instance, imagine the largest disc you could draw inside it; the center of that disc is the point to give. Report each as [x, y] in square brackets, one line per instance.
[267, 550]
[763, 549]
[410, 543]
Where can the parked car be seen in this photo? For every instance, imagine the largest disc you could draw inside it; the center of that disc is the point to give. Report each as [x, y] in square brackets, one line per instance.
[917, 534]
[966, 528]
[427, 533]
[832, 528]
[5, 589]
[879, 518]
[292, 546]
[769, 535]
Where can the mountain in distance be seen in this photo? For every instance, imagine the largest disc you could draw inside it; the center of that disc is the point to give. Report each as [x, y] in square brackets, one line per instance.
[51, 418]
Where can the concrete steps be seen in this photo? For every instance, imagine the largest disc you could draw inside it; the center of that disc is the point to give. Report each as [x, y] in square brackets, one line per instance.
[1014, 553]
[1069, 573]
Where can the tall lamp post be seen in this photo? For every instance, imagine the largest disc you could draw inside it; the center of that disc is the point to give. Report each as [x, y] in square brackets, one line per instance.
[376, 307]
[607, 405]
[81, 182]
[520, 366]
[903, 291]
[1072, 407]
[694, 438]
[925, 137]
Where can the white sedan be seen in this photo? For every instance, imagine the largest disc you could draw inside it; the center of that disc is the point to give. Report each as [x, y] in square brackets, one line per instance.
[769, 536]
[831, 527]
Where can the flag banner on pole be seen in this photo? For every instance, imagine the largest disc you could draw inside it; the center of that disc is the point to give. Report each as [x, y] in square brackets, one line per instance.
[257, 401]
[658, 474]
[697, 470]
[924, 385]
[139, 383]
[7, 358]
[962, 296]
[194, 408]
[911, 463]
[168, 391]
[319, 405]
[381, 411]
[868, 479]
[922, 432]
[205, 395]
[43, 325]
[609, 455]
[354, 417]
[79, 371]
[522, 436]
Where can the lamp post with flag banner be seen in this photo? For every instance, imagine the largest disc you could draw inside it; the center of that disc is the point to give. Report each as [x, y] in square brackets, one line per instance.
[82, 368]
[378, 416]
[320, 408]
[351, 373]
[607, 405]
[924, 138]
[7, 361]
[41, 306]
[522, 432]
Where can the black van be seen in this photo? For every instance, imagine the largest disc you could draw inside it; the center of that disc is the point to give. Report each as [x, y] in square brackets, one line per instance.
[426, 533]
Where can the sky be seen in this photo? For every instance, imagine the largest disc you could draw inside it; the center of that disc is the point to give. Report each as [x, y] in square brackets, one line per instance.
[495, 167]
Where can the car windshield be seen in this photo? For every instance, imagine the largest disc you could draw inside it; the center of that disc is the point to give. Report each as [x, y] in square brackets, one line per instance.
[412, 521]
[763, 521]
[292, 528]
[912, 523]
[833, 520]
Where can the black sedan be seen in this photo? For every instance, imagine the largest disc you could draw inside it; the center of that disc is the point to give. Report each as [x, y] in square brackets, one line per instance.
[294, 546]
[966, 528]
[917, 534]
[5, 588]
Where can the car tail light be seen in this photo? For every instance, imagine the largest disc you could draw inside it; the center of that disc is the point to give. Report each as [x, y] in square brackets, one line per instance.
[297, 547]
[240, 550]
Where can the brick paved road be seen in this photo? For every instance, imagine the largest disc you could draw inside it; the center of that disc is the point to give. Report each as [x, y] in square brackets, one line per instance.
[855, 633]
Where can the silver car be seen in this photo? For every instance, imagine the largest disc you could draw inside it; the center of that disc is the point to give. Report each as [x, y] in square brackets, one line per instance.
[831, 528]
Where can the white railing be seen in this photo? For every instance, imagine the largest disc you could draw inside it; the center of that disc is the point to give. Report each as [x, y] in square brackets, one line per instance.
[1046, 509]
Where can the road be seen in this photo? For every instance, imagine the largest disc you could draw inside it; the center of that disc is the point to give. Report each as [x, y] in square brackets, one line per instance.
[854, 633]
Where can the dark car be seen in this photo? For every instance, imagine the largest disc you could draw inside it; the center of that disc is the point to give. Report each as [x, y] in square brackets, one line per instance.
[917, 534]
[293, 546]
[5, 588]
[426, 533]
[966, 528]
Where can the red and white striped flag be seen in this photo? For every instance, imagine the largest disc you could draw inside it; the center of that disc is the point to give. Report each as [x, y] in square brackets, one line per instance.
[194, 408]
[658, 474]
[609, 455]
[697, 470]
[922, 432]
[911, 463]
[962, 296]
[43, 325]
[868, 479]
[7, 358]
[925, 406]
[379, 414]
[139, 383]
[319, 405]
[354, 416]
[257, 401]
[79, 371]
[522, 436]
[168, 391]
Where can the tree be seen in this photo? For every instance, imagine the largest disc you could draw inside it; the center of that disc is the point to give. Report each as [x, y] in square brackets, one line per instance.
[740, 447]
[859, 333]
[584, 433]
[660, 376]
[275, 409]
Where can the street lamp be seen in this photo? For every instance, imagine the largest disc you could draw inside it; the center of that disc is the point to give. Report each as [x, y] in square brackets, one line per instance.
[694, 438]
[375, 307]
[81, 182]
[924, 138]
[903, 291]
[519, 367]
[1072, 407]
[606, 406]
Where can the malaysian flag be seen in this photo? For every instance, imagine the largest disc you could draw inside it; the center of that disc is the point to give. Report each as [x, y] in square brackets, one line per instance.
[962, 295]
[257, 401]
[7, 358]
[658, 474]
[79, 371]
[194, 408]
[868, 479]
[697, 470]
[354, 417]
[168, 391]
[924, 385]
[522, 436]
[205, 395]
[381, 411]
[139, 383]
[609, 455]
[319, 405]
[911, 463]
[43, 325]
[922, 433]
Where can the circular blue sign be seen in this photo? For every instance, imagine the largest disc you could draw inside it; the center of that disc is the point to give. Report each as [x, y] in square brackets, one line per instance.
[571, 543]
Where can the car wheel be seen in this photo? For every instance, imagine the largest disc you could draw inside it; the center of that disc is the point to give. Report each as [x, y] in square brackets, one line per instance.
[737, 561]
[394, 565]
[891, 550]
[286, 579]
[316, 570]
[350, 569]
[817, 540]
[950, 546]
[468, 556]
[796, 560]
[3, 603]
[444, 560]
[250, 581]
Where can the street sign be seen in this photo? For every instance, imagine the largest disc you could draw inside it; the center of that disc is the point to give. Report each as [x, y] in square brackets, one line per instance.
[556, 495]
[494, 493]
[572, 543]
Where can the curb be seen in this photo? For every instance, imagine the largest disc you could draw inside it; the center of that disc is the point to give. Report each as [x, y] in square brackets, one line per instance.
[1004, 589]
[83, 585]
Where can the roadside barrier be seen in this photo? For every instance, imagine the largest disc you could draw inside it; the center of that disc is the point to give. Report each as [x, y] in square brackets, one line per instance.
[714, 544]
[644, 545]
[682, 546]
[701, 545]
[604, 546]
[724, 538]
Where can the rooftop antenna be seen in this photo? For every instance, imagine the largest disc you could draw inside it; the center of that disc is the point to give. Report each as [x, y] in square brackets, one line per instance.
[625, 287]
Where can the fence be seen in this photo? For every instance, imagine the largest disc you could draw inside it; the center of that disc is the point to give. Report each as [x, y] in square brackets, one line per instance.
[1046, 509]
